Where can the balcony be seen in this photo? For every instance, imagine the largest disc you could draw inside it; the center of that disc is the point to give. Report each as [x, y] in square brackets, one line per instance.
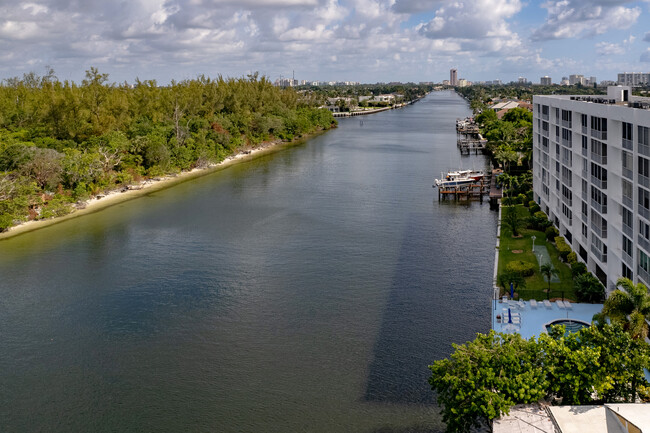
[567, 201]
[599, 255]
[566, 143]
[601, 208]
[629, 231]
[584, 151]
[545, 132]
[599, 159]
[644, 243]
[601, 231]
[600, 135]
[627, 144]
[566, 124]
[567, 162]
[598, 183]
[628, 173]
[627, 259]
[628, 202]
[644, 149]
[584, 129]
[643, 274]
[645, 213]
[644, 180]
[544, 116]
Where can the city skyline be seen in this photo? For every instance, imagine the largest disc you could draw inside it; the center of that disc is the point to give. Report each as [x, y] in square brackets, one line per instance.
[326, 40]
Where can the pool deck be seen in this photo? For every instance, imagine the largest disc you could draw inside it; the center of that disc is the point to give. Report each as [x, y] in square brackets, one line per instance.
[529, 318]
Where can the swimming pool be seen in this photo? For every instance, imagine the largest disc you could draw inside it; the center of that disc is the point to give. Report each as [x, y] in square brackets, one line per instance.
[570, 325]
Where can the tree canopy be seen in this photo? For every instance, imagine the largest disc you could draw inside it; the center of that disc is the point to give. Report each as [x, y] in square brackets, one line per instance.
[484, 378]
[61, 141]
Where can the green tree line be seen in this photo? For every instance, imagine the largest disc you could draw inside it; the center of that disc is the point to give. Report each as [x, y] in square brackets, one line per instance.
[61, 142]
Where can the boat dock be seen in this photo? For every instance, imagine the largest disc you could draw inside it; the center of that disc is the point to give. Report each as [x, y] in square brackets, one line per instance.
[475, 191]
[468, 137]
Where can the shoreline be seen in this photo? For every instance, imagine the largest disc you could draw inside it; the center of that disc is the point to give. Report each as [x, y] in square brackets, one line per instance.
[147, 186]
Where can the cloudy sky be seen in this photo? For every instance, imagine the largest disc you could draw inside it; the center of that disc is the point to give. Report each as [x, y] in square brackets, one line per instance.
[354, 40]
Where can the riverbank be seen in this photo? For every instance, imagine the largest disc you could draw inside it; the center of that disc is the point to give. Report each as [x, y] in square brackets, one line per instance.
[147, 186]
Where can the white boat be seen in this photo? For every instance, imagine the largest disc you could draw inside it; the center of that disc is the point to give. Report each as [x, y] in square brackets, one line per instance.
[473, 174]
[454, 179]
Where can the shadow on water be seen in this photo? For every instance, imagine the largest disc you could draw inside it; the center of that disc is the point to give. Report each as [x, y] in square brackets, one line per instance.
[410, 429]
[420, 320]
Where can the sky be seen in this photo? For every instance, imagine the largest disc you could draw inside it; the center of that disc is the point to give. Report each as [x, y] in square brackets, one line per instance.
[325, 40]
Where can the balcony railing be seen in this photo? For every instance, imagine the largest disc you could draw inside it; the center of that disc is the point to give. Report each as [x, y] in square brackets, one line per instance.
[599, 159]
[601, 231]
[544, 116]
[567, 201]
[566, 123]
[584, 130]
[545, 132]
[643, 274]
[627, 259]
[599, 255]
[644, 243]
[627, 144]
[629, 231]
[567, 162]
[628, 202]
[628, 173]
[644, 149]
[598, 183]
[601, 135]
[584, 151]
[601, 208]
[566, 143]
[645, 213]
[644, 180]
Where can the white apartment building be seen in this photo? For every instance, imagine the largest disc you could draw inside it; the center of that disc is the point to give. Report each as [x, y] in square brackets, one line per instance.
[545, 80]
[634, 79]
[591, 175]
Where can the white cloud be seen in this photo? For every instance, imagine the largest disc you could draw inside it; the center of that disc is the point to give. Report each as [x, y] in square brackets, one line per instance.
[579, 18]
[607, 49]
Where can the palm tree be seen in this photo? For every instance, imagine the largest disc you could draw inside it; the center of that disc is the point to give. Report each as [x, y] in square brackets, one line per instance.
[547, 270]
[630, 306]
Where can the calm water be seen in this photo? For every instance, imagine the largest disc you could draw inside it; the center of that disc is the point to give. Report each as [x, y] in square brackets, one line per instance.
[306, 290]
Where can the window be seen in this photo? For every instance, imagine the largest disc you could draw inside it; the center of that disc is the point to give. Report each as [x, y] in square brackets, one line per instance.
[583, 120]
[627, 246]
[627, 189]
[644, 198]
[644, 135]
[644, 166]
[566, 118]
[625, 271]
[644, 261]
[566, 137]
[545, 110]
[644, 230]
[627, 131]
[599, 127]
[626, 158]
[627, 218]
[584, 230]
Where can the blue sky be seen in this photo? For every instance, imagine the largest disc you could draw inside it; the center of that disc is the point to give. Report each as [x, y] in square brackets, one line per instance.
[351, 40]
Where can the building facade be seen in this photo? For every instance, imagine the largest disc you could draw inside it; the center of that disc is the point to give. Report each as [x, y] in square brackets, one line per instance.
[591, 176]
[545, 81]
[453, 77]
[634, 79]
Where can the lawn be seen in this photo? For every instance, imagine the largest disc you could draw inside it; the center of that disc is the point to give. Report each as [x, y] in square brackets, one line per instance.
[536, 284]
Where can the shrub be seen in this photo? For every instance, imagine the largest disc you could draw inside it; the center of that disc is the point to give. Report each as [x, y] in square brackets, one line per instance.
[578, 268]
[562, 248]
[538, 221]
[525, 269]
[551, 233]
[588, 288]
[533, 207]
[507, 201]
[572, 258]
[521, 198]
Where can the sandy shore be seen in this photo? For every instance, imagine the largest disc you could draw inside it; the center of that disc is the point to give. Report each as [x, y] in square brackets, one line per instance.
[147, 186]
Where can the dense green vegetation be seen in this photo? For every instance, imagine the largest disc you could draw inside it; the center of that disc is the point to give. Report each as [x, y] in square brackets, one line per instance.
[484, 378]
[409, 92]
[628, 305]
[62, 142]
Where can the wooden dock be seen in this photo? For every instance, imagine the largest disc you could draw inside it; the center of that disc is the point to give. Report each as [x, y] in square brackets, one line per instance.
[476, 191]
[469, 145]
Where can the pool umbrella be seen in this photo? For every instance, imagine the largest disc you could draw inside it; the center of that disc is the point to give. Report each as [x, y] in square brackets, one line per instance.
[512, 291]
[509, 316]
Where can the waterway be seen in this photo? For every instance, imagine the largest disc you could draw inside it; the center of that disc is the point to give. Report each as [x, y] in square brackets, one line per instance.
[304, 290]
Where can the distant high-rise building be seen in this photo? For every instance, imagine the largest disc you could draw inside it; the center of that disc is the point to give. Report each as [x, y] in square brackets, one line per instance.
[634, 79]
[463, 82]
[576, 79]
[453, 77]
[545, 81]
[522, 80]
[592, 81]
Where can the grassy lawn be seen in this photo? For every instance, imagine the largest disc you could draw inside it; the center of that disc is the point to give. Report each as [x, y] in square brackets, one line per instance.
[536, 285]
